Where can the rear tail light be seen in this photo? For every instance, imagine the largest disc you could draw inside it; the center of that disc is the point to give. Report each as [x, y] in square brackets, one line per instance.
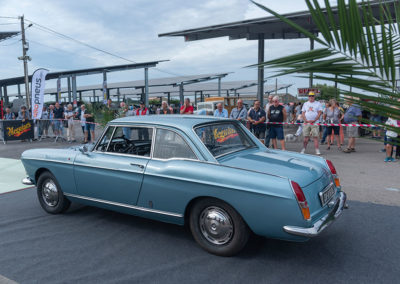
[334, 173]
[301, 200]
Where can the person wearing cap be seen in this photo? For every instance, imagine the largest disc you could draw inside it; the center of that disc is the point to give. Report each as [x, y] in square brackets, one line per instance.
[311, 112]
[187, 108]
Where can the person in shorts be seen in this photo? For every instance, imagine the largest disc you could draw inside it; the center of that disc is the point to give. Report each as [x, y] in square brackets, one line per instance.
[277, 113]
[392, 139]
[311, 112]
[58, 118]
[332, 115]
[257, 118]
[352, 116]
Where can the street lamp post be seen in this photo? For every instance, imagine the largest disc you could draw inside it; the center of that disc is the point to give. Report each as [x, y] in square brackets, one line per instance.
[25, 58]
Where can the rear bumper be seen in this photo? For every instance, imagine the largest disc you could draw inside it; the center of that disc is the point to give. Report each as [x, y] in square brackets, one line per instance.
[27, 181]
[323, 223]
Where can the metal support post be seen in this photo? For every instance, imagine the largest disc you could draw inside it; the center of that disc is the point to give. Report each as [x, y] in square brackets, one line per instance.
[146, 86]
[94, 95]
[201, 97]
[80, 96]
[260, 78]
[19, 91]
[69, 90]
[6, 100]
[169, 97]
[106, 94]
[74, 90]
[181, 96]
[227, 93]
[311, 74]
[219, 87]
[195, 97]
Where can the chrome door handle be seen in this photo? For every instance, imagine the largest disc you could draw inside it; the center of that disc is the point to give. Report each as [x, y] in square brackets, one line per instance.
[137, 165]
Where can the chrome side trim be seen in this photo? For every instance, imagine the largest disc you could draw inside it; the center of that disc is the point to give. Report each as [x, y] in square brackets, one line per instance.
[48, 160]
[322, 223]
[27, 181]
[105, 168]
[125, 205]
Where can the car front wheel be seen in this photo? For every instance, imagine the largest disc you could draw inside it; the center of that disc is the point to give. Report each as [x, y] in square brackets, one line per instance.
[218, 228]
[51, 198]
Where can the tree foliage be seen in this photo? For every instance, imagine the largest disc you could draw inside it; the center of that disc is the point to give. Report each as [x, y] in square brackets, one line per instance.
[357, 50]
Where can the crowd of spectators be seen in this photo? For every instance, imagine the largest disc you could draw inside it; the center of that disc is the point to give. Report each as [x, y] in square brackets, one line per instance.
[266, 123]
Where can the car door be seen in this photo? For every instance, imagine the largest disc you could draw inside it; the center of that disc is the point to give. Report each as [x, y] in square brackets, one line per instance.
[166, 185]
[113, 170]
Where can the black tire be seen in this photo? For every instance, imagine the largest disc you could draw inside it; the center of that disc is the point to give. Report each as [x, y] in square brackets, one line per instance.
[50, 195]
[225, 238]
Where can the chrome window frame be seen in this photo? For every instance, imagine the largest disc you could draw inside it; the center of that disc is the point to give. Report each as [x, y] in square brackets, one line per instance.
[122, 154]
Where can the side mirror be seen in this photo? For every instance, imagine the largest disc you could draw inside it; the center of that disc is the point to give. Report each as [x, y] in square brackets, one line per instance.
[84, 150]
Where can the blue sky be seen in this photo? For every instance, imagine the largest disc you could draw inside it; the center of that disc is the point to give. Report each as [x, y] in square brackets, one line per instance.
[130, 29]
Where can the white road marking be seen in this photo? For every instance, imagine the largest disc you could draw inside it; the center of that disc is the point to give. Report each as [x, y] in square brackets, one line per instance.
[11, 173]
[4, 280]
[392, 189]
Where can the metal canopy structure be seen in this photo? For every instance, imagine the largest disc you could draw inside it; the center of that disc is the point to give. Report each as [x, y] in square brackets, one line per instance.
[261, 29]
[7, 35]
[72, 74]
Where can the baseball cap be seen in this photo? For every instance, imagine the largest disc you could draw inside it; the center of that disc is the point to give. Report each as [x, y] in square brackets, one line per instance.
[311, 94]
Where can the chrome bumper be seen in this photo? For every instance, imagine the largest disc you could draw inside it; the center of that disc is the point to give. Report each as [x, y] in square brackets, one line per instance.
[27, 181]
[324, 222]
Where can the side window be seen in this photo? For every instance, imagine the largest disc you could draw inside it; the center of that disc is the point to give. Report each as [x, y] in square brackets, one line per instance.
[171, 145]
[102, 146]
[131, 140]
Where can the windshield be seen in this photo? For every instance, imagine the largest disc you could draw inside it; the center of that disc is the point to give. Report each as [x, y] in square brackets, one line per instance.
[224, 138]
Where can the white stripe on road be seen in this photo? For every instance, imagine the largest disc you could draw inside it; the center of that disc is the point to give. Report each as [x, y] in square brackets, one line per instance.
[393, 189]
[4, 280]
[11, 173]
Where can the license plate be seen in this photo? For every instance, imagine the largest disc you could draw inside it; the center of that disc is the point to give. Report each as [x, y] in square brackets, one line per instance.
[326, 195]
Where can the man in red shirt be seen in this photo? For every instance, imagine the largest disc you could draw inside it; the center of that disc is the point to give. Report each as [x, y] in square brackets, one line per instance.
[187, 108]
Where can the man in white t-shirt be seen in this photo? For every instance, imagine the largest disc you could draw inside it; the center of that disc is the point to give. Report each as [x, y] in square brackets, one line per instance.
[311, 112]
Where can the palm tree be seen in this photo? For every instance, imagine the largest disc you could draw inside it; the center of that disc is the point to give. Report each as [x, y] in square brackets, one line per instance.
[357, 50]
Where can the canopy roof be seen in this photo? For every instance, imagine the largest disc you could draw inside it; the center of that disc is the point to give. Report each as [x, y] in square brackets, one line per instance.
[81, 72]
[269, 27]
[6, 35]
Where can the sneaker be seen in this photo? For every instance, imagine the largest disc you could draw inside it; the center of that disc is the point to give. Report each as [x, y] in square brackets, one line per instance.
[317, 151]
[392, 159]
[302, 151]
[347, 150]
[388, 159]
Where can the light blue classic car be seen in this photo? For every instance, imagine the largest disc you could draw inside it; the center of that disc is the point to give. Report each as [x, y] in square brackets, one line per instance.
[209, 173]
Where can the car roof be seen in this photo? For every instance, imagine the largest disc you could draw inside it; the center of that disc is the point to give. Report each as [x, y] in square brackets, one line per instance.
[178, 121]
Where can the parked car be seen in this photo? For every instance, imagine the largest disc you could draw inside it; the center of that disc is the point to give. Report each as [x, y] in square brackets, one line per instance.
[209, 173]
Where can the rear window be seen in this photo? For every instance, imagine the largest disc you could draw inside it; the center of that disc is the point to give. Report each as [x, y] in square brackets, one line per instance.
[224, 138]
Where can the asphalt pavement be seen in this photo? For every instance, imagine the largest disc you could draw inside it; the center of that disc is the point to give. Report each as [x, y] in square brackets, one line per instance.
[91, 245]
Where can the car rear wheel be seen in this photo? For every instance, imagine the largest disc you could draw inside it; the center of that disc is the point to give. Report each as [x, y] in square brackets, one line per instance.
[218, 228]
[50, 195]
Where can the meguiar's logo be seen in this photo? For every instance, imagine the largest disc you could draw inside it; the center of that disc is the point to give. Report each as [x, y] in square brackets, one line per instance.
[16, 132]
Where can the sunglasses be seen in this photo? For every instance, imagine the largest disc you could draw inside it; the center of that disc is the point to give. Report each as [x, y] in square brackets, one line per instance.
[311, 96]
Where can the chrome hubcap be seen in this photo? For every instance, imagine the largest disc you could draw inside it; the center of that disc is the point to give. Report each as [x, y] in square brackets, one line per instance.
[50, 193]
[216, 225]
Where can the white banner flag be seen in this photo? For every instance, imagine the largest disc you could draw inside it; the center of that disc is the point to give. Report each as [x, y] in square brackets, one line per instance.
[38, 83]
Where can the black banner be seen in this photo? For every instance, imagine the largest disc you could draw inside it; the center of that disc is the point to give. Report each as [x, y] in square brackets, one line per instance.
[18, 130]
